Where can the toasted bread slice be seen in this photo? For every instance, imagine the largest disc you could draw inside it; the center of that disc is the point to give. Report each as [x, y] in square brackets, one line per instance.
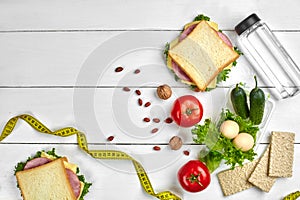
[45, 182]
[202, 55]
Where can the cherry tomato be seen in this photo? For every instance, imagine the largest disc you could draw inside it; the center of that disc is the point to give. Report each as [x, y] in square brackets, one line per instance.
[194, 176]
[187, 111]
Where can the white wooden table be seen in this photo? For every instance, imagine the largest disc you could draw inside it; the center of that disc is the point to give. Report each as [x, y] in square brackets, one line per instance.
[57, 62]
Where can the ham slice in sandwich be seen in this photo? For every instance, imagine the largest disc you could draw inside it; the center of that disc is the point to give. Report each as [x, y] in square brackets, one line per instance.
[48, 177]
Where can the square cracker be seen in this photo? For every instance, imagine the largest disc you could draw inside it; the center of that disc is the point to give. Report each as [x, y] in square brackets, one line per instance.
[259, 177]
[236, 180]
[281, 154]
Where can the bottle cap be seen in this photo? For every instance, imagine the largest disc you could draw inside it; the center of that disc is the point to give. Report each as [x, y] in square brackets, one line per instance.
[246, 23]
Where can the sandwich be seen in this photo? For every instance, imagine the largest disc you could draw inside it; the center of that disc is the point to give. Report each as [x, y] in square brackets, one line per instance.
[48, 176]
[202, 55]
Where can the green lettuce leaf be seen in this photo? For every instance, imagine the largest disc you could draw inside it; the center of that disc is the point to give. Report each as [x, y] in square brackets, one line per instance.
[211, 158]
[220, 148]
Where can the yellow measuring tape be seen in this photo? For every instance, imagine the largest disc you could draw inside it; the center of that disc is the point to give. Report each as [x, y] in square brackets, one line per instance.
[98, 154]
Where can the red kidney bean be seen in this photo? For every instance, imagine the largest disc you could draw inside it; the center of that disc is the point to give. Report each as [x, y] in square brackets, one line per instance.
[126, 89]
[154, 130]
[146, 119]
[156, 148]
[156, 120]
[186, 152]
[119, 69]
[147, 104]
[137, 71]
[140, 102]
[169, 120]
[110, 138]
[138, 92]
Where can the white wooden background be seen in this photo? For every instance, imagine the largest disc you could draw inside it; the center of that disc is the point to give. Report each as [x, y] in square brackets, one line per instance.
[45, 47]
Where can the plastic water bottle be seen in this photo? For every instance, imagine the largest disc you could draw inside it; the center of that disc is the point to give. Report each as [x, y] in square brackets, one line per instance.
[268, 57]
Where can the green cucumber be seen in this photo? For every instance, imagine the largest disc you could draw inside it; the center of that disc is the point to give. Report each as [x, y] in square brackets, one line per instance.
[257, 104]
[239, 102]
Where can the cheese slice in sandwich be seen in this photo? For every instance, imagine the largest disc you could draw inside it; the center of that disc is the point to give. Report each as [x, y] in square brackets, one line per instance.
[202, 55]
[48, 181]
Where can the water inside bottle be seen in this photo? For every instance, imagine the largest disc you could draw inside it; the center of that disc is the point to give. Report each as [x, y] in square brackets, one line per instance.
[272, 61]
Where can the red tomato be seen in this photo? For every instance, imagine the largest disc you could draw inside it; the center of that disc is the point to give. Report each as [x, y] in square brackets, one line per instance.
[194, 176]
[187, 111]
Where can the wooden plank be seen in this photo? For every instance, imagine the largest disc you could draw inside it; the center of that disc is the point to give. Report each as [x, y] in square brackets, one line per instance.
[105, 174]
[97, 113]
[89, 58]
[104, 112]
[115, 15]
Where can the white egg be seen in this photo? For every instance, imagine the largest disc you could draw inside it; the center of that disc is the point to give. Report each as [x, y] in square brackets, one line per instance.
[229, 129]
[243, 141]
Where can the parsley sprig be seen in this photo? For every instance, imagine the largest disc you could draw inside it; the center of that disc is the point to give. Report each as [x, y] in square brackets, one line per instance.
[86, 185]
[223, 75]
[238, 52]
[201, 17]
[166, 50]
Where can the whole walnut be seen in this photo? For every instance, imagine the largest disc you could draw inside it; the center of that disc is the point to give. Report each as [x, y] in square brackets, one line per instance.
[175, 143]
[164, 91]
